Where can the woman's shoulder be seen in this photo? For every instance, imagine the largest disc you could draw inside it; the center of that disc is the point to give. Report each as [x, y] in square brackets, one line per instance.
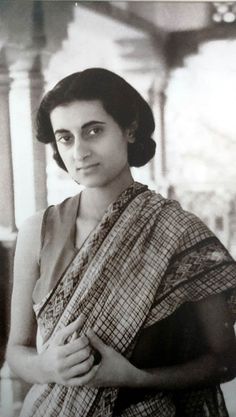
[181, 221]
[32, 225]
[33, 230]
[29, 238]
[63, 208]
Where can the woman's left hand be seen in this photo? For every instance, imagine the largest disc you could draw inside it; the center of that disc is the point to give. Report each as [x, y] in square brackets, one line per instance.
[114, 370]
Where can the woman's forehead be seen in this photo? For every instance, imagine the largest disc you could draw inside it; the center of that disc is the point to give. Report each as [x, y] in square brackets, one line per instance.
[79, 112]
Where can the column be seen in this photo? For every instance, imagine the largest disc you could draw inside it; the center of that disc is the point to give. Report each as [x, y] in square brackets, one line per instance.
[160, 161]
[28, 155]
[7, 218]
[7, 213]
[39, 149]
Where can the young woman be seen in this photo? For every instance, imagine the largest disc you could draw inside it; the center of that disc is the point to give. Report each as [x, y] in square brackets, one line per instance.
[123, 303]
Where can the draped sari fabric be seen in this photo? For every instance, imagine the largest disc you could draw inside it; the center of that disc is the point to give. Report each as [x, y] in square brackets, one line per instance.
[146, 258]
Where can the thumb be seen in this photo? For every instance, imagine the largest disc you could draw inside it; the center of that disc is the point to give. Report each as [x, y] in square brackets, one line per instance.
[96, 342]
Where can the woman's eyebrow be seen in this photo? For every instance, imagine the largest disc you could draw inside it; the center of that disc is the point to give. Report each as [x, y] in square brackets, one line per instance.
[61, 131]
[84, 126]
[92, 122]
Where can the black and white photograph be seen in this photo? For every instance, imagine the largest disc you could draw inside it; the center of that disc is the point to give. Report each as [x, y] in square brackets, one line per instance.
[117, 208]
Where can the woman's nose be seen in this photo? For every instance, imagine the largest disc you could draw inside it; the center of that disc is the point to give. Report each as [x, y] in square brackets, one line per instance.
[80, 150]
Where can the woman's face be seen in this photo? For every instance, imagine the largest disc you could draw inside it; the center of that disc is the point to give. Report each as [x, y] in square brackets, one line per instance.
[91, 144]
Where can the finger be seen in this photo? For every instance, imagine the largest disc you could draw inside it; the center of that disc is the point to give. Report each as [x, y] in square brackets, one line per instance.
[85, 379]
[80, 369]
[67, 331]
[74, 336]
[96, 342]
[77, 357]
[75, 346]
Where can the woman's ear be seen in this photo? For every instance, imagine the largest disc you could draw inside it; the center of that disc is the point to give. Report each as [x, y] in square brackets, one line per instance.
[131, 131]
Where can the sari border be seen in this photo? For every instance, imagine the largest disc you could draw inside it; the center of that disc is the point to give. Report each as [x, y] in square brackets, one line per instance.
[201, 244]
[196, 277]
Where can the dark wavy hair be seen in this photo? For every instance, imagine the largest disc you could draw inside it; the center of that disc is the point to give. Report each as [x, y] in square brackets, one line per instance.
[119, 99]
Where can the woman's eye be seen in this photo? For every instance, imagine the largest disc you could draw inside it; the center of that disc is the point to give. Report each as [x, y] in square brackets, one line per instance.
[64, 139]
[94, 131]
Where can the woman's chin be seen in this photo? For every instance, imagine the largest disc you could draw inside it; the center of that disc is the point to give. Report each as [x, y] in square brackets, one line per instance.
[90, 182]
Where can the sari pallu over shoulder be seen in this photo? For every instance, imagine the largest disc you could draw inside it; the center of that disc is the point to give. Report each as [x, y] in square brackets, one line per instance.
[118, 280]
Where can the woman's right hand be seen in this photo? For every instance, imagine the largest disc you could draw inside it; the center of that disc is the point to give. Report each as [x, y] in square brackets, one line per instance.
[68, 355]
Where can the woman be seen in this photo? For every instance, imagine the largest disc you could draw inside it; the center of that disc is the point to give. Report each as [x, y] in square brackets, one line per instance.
[117, 274]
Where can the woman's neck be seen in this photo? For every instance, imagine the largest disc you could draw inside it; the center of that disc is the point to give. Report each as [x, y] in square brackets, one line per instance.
[94, 201]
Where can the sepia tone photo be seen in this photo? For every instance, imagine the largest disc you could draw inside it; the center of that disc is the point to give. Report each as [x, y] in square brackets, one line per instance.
[117, 209]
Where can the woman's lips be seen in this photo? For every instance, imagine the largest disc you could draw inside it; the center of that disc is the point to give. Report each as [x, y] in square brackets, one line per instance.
[87, 167]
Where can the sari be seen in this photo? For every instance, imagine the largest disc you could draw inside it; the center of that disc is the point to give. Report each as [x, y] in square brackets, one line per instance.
[145, 259]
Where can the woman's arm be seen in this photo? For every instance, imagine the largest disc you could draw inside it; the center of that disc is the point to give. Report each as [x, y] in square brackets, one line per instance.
[61, 360]
[217, 365]
[21, 353]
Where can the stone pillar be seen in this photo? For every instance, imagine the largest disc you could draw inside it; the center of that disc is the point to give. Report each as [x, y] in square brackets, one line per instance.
[7, 212]
[39, 150]
[7, 217]
[160, 161]
[28, 155]
[30, 191]
[231, 244]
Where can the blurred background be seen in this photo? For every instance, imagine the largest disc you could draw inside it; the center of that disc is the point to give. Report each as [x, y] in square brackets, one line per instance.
[181, 56]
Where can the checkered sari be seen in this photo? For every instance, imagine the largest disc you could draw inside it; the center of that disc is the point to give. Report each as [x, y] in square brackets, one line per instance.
[145, 259]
